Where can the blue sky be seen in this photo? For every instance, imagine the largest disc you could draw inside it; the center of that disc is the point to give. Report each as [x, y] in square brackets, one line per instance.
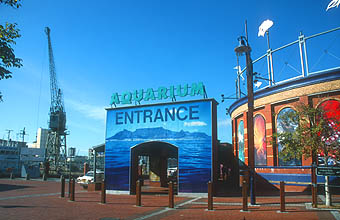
[117, 46]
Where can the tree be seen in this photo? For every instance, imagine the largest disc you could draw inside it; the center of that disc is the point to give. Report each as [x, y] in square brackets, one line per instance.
[316, 133]
[8, 33]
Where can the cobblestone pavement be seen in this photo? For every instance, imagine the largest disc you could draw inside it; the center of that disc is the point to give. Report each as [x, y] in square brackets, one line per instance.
[36, 199]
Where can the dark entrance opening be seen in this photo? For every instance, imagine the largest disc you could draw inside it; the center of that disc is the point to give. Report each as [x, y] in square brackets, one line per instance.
[155, 163]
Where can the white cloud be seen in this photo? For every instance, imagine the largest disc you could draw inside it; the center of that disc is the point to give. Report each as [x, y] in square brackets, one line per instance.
[224, 123]
[195, 123]
[89, 111]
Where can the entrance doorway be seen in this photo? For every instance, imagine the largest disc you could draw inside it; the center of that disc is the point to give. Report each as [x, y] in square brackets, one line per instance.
[155, 163]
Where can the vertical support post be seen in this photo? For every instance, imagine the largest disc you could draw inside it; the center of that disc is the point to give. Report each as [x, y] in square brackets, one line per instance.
[138, 193]
[72, 189]
[62, 193]
[69, 186]
[27, 176]
[210, 196]
[94, 165]
[244, 196]
[282, 197]
[171, 194]
[301, 40]
[103, 195]
[250, 127]
[11, 176]
[314, 187]
[86, 168]
[271, 68]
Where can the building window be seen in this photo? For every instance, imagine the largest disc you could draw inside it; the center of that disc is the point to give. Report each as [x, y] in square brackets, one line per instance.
[285, 124]
[240, 141]
[260, 141]
[331, 113]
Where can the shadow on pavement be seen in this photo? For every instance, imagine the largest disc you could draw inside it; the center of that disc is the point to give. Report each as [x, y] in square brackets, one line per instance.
[15, 206]
[8, 187]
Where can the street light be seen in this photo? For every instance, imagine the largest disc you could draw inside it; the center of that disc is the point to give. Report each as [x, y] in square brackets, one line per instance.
[244, 48]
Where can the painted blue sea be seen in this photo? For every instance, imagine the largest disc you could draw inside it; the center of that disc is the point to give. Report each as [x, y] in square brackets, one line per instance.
[194, 161]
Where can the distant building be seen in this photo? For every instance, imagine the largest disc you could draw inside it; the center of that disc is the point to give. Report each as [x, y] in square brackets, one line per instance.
[10, 156]
[34, 153]
[41, 141]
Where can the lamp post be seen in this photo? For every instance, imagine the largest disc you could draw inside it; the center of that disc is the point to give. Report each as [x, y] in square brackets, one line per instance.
[244, 48]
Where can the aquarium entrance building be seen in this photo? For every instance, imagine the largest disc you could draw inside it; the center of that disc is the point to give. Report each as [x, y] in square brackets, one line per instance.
[159, 143]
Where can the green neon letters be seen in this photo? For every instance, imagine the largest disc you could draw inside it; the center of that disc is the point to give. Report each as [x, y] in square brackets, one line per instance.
[160, 94]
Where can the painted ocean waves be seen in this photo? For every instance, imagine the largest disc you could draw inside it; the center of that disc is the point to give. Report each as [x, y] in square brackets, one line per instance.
[194, 163]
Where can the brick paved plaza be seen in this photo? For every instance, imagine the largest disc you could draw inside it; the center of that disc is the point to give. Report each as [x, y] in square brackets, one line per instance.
[36, 199]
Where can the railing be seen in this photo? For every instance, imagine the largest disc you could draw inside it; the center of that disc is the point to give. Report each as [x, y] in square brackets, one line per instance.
[303, 60]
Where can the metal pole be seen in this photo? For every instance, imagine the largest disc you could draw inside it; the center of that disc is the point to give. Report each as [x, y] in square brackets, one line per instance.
[271, 68]
[306, 58]
[62, 194]
[171, 194]
[267, 32]
[244, 196]
[282, 197]
[314, 187]
[301, 40]
[238, 91]
[250, 127]
[210, 196]
[103, 197]
[70, 173]
[138, 193]
[69, 187]
[94, 166]
[72, 190]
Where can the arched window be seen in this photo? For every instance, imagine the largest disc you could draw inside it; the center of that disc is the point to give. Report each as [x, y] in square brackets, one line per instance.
[331, 113]
[260, 141]
[285, 124]
[240, 141]
[331, 110]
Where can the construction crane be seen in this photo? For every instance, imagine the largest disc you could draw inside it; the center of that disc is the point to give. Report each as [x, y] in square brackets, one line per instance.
[55, 154]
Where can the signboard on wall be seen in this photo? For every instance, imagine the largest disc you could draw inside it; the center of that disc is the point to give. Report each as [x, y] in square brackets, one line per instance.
[190, 126]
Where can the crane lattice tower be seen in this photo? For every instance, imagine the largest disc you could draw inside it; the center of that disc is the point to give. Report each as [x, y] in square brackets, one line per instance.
[55, 153]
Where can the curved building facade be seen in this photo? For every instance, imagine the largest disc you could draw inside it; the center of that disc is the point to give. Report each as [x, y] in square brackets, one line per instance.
[317, 89]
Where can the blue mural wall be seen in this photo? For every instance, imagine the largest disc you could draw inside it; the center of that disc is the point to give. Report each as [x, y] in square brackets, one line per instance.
[186, 125]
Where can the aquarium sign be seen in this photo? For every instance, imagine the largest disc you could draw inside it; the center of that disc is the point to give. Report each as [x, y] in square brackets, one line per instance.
[161, 93]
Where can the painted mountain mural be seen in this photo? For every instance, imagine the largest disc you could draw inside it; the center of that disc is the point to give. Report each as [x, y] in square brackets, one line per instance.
[158, 133]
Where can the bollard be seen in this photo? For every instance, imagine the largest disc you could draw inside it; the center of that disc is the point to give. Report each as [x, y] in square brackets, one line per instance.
[69, 187]
[62, 193]
[103, 197]
[282, 197]
[315, 194]
[171, 194]
[72, 190]
[314, 187]
[210, 196]
[245, 196]
[138, 193]
[27, 176]
[44, 177]
[11, 175]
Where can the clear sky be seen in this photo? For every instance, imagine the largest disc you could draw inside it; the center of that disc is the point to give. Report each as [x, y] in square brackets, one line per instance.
[102, 47]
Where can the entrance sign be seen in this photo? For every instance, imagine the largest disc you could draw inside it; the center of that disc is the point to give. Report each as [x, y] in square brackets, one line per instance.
[161, 93]
[328, 171]
[161, 142]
